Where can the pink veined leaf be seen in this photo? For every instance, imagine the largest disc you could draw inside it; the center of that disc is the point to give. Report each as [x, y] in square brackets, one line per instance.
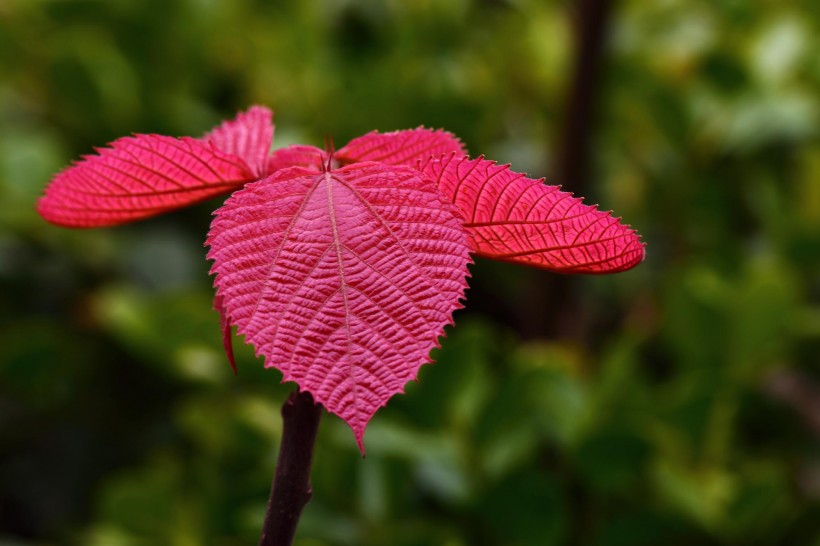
[138, 177]
[309, 157]
[343, 280]
[513, 218]
[225, 326]
[406, 147]
[248, 136]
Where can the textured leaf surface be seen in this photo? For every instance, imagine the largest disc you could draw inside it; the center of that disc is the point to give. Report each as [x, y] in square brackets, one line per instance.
[309, 157]
[342, 280]
[400, 147]
[249, 136]
[513, 218]
[138, 177]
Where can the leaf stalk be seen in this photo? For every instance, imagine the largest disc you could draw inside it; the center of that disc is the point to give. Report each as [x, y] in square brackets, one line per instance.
[291, 489]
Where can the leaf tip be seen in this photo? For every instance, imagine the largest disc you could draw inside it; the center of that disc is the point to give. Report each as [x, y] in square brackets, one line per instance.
[225, 326]
[359, 434]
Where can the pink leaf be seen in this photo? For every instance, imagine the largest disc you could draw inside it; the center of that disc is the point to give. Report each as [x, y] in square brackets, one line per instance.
[249, 136]
[400, 147]
[225, 326]
[138, 177]
[343, 280]
[309, 157]
[513, 218]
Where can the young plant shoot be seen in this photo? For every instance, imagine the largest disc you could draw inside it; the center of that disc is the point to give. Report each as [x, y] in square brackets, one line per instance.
[342, 268]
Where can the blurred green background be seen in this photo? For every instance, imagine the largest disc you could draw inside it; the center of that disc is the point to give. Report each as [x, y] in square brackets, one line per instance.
[676, 404]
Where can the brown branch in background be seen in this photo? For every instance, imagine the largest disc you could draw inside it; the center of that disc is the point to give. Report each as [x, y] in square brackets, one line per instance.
[558, 313]
[291, 488]
[573, 157]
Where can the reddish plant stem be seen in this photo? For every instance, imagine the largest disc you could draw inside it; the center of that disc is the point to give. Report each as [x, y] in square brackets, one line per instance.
[291, 489]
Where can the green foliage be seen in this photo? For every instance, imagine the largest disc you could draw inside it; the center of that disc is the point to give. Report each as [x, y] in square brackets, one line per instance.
[679, 407]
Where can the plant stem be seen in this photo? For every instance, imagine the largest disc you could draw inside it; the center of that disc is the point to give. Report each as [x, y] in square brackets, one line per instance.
[291, 489]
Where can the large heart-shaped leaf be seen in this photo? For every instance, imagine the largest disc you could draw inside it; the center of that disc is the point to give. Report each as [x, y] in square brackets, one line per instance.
[513, 218]
[343, 280]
